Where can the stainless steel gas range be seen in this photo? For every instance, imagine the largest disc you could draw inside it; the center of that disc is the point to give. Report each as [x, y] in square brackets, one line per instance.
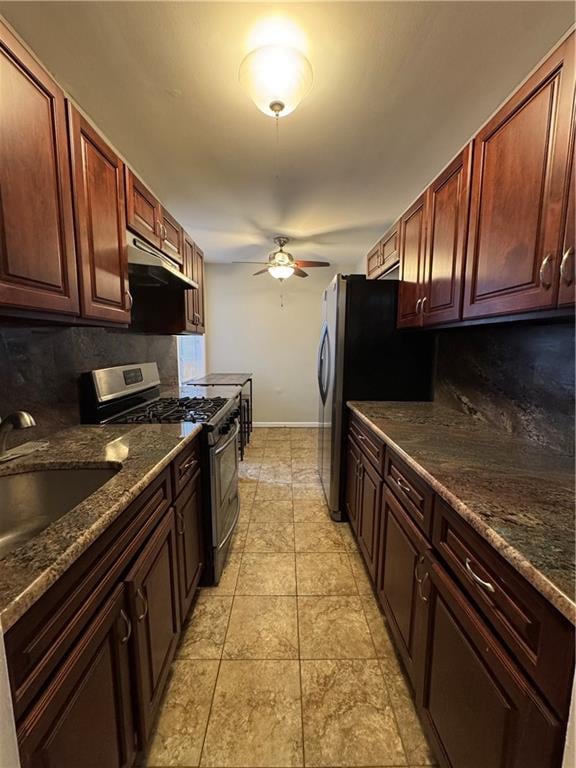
[130, 394]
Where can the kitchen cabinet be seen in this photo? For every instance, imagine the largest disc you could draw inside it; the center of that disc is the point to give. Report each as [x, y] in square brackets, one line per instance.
[99, 216]
[172, 236]
[37, 256]
[400, 576]
[412, 254]
[84, 717]
[385, 255]
[143, 210]
[189, 542]
[198, 276]
[155, 614]
[447, 206]
[353, 466]
[194, 268]
[490, 660]
[477, 707]
[368, 516]
[567, 291]
[89, 660]
[518, 188]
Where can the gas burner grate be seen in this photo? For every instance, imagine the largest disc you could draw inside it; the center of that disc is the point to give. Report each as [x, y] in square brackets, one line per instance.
[175, 409]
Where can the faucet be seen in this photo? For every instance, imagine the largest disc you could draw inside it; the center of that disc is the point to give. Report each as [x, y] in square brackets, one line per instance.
[16, 420]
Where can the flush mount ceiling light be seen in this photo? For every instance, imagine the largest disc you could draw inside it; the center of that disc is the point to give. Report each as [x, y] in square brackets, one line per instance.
[276, 77]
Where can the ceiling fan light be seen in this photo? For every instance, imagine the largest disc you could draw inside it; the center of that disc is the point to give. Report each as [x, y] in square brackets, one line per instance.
[276, 77]
[281, 272]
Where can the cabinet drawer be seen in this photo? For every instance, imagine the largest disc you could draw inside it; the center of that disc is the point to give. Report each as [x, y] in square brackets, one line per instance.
[185, 466]
[415, 495]
[541, 640]
[372, 446]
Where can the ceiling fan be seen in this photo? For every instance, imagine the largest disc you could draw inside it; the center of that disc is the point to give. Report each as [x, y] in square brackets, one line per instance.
[282, 264]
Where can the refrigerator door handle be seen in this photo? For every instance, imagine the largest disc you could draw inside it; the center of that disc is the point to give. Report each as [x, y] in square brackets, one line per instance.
[323, 353]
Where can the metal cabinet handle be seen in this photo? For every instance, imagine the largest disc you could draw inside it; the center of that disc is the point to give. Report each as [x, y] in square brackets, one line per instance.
[481, 583]
[188, 465]
[179, 522]
[127, 624]
[144, 613]
[197, 316]
[418, 306]
[424, 300]
[403, 486]
[163, 231]
[130, 300]
[545, 283]
[362, 438]
[567, 275]
[420, 581]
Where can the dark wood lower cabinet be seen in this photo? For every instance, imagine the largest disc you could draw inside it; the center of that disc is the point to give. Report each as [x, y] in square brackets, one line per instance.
[478, 709]
[84, 716]
[352, 481]
[155, 614]
[400, 576]
[368, 502]
[189, 542]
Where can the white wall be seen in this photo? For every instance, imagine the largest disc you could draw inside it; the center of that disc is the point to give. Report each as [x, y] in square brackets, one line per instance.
[248, 330]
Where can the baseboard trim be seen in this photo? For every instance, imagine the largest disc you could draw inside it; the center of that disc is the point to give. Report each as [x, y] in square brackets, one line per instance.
[286, 424]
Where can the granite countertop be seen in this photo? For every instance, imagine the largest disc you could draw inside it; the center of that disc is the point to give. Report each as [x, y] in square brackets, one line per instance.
[515, 494]
[140, 452]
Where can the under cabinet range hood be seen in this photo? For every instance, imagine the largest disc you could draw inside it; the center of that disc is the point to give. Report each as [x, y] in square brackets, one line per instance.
[150, 268]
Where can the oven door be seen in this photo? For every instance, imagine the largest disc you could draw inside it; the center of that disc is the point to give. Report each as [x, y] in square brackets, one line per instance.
[224, 493]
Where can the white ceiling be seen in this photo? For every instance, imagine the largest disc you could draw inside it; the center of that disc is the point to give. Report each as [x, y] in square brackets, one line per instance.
[399, 87]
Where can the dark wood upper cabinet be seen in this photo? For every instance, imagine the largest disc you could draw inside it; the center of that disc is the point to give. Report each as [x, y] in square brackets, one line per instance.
[412, 244]
[448, 199]
[477, 707]
[518, 185]
[566, 290]
[99, 216]
[191, 297]
[84, 716]
[374, 261]
[172, 236]
[385, 255]
[199, 294]
[155, 615]
[37, 257]
[143, 210]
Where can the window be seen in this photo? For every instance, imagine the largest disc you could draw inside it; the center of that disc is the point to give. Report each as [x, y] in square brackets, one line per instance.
[191, 358]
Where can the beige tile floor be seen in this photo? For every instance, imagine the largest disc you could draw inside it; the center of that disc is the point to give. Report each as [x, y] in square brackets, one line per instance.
[288, 661]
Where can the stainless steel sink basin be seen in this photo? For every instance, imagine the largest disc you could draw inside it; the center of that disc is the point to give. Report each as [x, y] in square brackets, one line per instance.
[30, 501]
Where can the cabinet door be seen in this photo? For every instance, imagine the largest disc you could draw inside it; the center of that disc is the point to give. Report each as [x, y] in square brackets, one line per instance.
[172, 236]
[412, 244]
[447, 215]
[37, 258]
[478, 709]
[374, 262]
[199, 277]
[370, 491]
[143, 211]
[189, 542]
[84, 715]
[518, 182]
[155, 613]
[352, 482]
[566, 291]
[98, 183]
[402, 549]
[390, 247]
[191, 297]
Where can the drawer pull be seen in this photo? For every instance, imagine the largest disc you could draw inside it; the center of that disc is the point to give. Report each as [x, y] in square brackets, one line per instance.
[128, 625]
[362, 438]
[403, 486]
[565, 274]
[179, 522]
[420, 581]
[545, 280]
[189, 465]
[481, 583]
[144, 613]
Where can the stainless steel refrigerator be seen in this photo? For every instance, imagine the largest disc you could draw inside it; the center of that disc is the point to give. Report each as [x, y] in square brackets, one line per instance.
[361, 356]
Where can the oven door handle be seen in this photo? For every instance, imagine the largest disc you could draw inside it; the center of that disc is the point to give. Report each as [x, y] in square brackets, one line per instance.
[227, 443]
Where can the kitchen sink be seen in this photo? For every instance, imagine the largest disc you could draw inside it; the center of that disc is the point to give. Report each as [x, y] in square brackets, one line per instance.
[30, 501]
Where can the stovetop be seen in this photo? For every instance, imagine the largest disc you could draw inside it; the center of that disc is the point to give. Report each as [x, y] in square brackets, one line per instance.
[171, 410]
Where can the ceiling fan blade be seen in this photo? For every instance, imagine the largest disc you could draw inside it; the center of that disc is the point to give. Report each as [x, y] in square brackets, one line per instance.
[248, 262]
[299, 272]
[301, 263]
[260, 272]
